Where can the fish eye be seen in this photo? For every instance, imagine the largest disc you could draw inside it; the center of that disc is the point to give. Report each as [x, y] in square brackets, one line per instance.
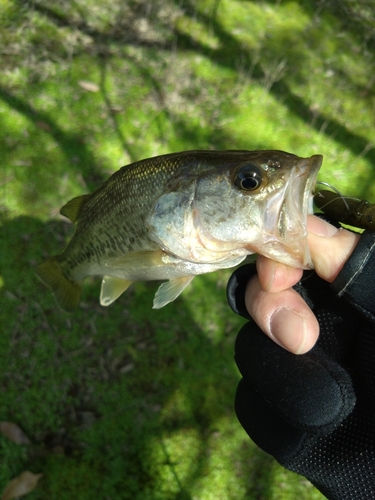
[248, 177]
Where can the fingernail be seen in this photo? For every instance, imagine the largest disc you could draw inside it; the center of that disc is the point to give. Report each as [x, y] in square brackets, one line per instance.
[320, 227]
[288, 329]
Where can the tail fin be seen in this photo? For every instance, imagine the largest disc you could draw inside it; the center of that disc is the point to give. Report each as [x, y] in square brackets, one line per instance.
[67, 293]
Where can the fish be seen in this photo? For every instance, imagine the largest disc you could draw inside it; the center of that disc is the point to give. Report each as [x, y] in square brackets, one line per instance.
[346, 209]
[175, 216]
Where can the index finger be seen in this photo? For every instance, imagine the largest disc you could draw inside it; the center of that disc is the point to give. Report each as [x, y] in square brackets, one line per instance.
[330, 247]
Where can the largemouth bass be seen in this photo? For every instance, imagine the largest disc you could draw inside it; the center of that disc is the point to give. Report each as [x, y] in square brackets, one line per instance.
[175, 216]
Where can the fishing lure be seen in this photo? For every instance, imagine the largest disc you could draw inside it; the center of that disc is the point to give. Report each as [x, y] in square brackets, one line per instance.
[346, 209]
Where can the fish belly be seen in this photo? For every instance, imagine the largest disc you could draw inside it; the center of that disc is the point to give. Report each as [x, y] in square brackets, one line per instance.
[166, 271]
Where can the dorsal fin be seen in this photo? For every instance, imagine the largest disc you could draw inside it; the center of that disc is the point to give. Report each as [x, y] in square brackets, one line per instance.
[72, 209]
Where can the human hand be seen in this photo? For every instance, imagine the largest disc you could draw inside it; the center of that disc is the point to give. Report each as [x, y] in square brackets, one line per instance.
[312, 412]
[278, 309]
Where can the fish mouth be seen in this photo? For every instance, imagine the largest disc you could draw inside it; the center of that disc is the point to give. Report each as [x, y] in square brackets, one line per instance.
[285, 218]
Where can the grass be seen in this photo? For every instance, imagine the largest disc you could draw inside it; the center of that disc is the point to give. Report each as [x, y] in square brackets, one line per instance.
[126, 402]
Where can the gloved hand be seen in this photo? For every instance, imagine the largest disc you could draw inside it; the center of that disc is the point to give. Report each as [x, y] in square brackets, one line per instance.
[315, 413]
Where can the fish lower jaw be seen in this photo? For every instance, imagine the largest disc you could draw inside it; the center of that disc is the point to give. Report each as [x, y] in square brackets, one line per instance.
[295, 254]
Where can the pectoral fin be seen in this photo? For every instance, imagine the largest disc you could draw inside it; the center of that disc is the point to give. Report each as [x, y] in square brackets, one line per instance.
[170, 290]
[111, 289]
[138, 260]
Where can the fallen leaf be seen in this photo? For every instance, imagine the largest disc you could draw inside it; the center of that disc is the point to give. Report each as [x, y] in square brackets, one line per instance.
[44, 126]
[14, 433]
[21, 485]
[89, 86]
[127, 368]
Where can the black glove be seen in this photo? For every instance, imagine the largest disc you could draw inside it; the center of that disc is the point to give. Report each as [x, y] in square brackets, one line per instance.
[315, 413]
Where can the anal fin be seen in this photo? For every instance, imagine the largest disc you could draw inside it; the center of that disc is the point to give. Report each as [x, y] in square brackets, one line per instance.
[112, 288]
[170, 290]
